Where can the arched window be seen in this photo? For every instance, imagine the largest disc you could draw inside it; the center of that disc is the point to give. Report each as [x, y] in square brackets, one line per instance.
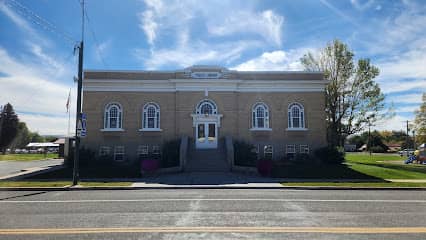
[113, 116]
[206, 107]
[151, 116]
[260, 115]
[296, 116]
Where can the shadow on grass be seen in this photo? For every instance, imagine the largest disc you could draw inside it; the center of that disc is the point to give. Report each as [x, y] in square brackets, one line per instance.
[338, 171]
[301, 172]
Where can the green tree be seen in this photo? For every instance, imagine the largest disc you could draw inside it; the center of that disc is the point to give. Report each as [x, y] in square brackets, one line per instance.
[22, 138]
[8, 126]
[420, 122]
[35, 137]
[353, 99]
[357, 140]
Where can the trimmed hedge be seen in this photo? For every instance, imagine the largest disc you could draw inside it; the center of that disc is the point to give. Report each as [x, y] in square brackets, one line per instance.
[244, 154]
[330, 155]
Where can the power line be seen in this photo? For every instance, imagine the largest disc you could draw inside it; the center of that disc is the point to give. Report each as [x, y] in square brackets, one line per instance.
[38, 20]
[95, 39]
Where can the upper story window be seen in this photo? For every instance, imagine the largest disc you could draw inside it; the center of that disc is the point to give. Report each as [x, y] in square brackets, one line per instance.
[113, 116]
[260, 115]
[296, 116]
[206, 107]
[151, 116]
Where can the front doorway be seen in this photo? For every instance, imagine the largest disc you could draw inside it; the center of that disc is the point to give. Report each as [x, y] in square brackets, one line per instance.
[206, 135]
[206, 122]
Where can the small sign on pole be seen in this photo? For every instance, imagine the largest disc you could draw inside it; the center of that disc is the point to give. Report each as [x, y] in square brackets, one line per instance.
[81, 126]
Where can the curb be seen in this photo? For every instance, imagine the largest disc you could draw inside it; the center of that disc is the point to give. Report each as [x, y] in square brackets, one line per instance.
[103, 188]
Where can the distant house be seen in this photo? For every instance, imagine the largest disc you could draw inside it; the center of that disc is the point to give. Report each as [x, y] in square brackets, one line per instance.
[363, 148]
[350, 147]
[393, 147]
[61, 143]
[40, 147]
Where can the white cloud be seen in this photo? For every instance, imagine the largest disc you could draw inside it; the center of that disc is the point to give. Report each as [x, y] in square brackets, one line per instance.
[176, 21]
[412, 98]
[275, 61]
[362, 4]
[396, 123]
[187, 54]
[266, 24]
[56, 125]
[22, 23]
[340, 13]
[149, 25]
[408, 65]
[32, 88]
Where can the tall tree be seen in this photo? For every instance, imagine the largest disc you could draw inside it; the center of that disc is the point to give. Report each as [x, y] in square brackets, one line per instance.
[23, 137]
[8, 126]
[420, 122]
[353, 99]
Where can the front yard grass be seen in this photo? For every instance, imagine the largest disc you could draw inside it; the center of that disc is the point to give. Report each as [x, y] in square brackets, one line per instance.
[357, 166]
[379, 166]
[59, 184]
[27, 157]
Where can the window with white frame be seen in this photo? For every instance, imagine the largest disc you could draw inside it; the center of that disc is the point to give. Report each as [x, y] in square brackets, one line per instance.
[113, 116]
[156, 150]
[296, 116]
[304, 149]
[268, 151]
[291, 148]
[207, 107]
[119, 153]
[260, 115]
[142, 150]
[104, 151]
[151, 116]
[255, 149]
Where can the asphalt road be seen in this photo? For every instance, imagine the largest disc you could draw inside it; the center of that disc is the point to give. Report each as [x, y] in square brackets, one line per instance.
[213, 214]
[10, 167]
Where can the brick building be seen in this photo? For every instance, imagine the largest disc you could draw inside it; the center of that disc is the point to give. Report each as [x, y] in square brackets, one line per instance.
[129, 112]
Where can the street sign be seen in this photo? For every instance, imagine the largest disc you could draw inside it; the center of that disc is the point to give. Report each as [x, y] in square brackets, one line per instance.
[81, 126]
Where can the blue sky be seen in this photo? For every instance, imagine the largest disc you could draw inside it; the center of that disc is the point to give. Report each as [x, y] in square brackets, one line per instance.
[37, 38]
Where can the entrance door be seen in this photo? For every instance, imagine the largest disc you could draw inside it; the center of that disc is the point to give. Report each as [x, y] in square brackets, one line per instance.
[206, 135]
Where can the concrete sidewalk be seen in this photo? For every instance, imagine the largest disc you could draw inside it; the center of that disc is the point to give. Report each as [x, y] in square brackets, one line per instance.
[219, 179]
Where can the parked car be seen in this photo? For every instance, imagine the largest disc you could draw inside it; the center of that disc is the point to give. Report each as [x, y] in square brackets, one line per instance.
[407, 151]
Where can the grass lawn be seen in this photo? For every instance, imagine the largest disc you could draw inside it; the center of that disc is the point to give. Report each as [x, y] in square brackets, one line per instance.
[58, 184]
[379, 166]
[27, 157]
[356, 184]
[357, 166]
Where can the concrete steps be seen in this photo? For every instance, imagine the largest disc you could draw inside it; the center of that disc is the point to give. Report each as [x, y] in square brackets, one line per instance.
[207, 160]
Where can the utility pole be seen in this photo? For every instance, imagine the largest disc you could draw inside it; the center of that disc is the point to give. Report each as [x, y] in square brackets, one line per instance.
[75, 177]
[369, 136]
[407, 139]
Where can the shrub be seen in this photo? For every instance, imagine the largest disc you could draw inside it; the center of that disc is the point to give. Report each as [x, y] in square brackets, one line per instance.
[87, 157]
[377, 149]
[264, 167]
[170, 154]
[244, 154]
[330, 155]
[302, 158]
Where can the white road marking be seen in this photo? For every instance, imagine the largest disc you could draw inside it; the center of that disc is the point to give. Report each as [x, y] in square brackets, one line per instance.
[214, 199]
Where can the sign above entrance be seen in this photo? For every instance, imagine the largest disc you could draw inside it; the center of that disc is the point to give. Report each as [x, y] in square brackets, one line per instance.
[209, 75]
